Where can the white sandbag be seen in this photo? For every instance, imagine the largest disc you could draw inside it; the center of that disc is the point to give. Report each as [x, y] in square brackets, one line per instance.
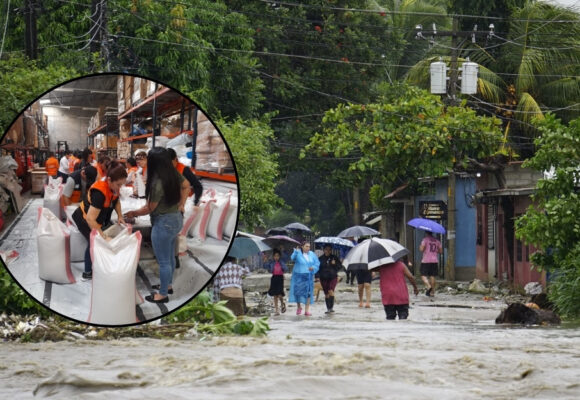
[218, 215]
[199, 224]
[113, 297]
[182, 139]
[139, 185]
[231, 218]
[78, 243]
[53, 242]
[52, 194]
[69, 211]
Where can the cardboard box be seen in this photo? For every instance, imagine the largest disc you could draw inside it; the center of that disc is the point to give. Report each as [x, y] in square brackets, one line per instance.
[30, 131]
[37, 180]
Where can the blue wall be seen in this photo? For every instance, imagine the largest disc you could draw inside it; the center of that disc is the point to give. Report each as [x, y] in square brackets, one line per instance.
[465, 220]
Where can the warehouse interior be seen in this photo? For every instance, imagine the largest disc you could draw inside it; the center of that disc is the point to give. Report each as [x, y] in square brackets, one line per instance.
[113, 115]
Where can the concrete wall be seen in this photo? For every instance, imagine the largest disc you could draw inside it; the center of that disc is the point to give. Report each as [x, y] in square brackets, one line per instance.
[64, 126]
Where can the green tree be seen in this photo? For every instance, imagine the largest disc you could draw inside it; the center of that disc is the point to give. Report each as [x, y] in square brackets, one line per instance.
[551, 223]
[406, 135]
[22, 81]
[199, 47]
[526, 68]
[257, 169]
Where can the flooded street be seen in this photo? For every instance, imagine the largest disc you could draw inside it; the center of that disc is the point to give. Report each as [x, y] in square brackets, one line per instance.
[450, 348]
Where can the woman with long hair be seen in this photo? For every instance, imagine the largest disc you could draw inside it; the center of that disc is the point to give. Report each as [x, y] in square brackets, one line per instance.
[166, 191]
[94, 211]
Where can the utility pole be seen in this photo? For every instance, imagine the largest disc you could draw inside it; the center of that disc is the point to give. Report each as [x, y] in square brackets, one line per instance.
[98, 34]
[30, 33]
[454, 73]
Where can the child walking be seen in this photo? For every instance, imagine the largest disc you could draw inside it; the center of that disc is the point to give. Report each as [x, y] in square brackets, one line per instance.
[277, 267]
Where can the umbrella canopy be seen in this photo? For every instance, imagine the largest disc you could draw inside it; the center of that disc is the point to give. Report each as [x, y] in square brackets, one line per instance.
[243, 247]
[277, 240]
[426, 225]
[297, 226]
[334, 241]
[278, 231]
[373, 253]
[358, 231]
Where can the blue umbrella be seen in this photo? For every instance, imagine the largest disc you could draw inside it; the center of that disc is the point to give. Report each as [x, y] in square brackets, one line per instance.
[334, 241]
[426, 225]
[247, 246]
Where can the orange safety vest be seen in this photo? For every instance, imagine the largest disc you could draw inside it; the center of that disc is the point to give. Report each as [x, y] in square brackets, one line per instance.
[51, 166]
[131, 169]
[100, 171]
[103, 187]
[72, 162]
[180, 168]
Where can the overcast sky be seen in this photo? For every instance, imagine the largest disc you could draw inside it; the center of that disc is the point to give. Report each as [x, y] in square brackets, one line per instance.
[567, 3]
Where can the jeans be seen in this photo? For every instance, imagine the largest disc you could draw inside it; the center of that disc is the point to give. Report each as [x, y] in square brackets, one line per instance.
[164, 231]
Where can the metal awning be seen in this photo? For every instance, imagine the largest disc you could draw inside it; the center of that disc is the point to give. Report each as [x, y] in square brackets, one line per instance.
[505, 192]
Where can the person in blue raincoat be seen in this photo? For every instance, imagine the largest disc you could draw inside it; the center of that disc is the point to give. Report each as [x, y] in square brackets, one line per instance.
[306, 264]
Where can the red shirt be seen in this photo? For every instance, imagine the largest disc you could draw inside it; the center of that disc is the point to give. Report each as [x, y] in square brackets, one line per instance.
[393, 286]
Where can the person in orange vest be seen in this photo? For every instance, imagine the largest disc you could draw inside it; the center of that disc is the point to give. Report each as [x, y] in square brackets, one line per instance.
[131, 171]
[102, 166]
[96, 208]
[73, 188]
[51, 165]
[74, 162]
[188, 174]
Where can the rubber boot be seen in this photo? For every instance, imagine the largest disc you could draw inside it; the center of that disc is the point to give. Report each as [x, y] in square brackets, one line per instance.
[331, 303]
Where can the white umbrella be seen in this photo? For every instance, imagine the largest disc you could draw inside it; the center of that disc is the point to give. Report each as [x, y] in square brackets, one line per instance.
[373, 253]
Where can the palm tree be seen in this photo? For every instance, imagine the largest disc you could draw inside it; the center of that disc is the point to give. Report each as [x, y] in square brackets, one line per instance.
[403, 17]
[536, 70]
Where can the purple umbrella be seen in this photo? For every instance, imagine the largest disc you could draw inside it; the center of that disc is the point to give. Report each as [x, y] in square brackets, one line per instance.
[277, 240]
[426, 225]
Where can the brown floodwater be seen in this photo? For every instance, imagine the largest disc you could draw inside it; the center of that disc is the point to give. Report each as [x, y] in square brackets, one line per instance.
[450, 348]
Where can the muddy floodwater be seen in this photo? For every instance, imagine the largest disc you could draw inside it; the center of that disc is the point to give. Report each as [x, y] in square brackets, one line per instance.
[450, 348]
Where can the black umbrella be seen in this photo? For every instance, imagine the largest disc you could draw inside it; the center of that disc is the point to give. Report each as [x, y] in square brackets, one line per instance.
[297, 226]
[278, 231]
[358, 231]
[372, 253]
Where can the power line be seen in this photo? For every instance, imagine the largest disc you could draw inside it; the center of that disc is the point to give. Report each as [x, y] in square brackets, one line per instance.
[377, 11]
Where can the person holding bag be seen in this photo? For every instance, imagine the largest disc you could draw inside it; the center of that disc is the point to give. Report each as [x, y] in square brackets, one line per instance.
[96, 208]
[166, 192]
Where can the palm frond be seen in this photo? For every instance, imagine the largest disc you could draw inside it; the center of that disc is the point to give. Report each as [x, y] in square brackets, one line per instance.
[528, 108]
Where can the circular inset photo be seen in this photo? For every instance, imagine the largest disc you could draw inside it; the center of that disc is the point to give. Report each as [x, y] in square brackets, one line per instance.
[119, 199]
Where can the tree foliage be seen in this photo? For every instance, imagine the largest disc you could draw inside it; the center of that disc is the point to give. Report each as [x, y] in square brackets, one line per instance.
[257, 169]
[551, 224]
[22, 82]
[406, 135]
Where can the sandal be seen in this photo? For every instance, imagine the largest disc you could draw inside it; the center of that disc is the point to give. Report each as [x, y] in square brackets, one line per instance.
[308, 314]
[283, 307]
[298, 311]
[151, 299]
[157, 287]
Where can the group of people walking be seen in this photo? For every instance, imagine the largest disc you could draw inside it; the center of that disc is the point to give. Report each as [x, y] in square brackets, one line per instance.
[309, 268]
